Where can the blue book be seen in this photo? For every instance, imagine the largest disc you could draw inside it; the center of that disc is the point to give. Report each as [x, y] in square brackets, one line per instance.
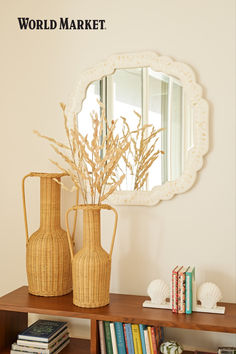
[189, 281]
[43, 331]
[120, 339]
[141, 330]
[129, 337]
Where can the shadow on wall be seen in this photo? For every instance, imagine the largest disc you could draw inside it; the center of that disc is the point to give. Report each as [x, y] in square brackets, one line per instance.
[137, 250]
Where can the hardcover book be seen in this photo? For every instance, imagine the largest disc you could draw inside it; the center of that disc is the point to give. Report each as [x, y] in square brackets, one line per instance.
[113, 338]
[61, 337]
[120, 339]
[189, 283]
[153, 336]
[147, 344]
[150, 339]
[136, 339]
[175, 288]
[102, 337]
[20, 349]
[126, 340]
[129, 336]
[42, 330]
[159, 331]
[181, 289]
[107, 333]
[141, 329]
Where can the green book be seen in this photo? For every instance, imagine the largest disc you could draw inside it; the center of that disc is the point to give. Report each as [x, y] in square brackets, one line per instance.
[189, 284]
[108, 341]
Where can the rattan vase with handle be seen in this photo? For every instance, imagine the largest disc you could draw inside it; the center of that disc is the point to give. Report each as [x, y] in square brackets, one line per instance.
[91, 266]
[48, 262]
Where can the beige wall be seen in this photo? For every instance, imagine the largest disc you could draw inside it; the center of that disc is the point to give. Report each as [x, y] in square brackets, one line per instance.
[39, 69]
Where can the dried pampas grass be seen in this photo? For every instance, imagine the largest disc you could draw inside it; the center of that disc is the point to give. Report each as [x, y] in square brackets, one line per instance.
[90, 164]
[94, 165]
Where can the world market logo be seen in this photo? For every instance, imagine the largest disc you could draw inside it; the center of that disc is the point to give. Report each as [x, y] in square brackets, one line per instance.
[63, 23]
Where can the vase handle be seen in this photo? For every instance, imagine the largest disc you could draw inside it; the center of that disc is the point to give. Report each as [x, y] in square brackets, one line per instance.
[82, 206]
[108, 207]
[69, 236]
[24, 206]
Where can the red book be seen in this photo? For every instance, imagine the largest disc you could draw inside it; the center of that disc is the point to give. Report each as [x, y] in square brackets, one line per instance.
[175, 272]
[125, 335]
[154, 343]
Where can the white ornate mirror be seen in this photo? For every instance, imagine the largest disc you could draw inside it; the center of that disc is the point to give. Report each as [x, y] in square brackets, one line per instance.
[167, 95]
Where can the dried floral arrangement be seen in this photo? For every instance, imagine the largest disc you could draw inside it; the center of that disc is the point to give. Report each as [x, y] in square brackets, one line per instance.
[93, 165]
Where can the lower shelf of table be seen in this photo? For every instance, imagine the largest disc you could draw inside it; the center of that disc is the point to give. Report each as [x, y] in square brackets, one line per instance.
[76, 346]
[82, 346]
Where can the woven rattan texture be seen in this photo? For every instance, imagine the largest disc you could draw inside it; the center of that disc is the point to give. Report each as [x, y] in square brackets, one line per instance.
[48, 260]
[91, 266]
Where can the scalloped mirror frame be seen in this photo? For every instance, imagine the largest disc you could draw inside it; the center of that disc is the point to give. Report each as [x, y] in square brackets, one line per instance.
[200, 113]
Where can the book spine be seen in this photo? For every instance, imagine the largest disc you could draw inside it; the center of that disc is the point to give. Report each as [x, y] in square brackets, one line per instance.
[150, 339]
[188, 293]
[126, 340]
[129, 335]
[113, 338]
[181, 292]
[120, 339]
[194, 292]
[141, 329]
[162, 335]
[29, 349]
[61, 347]
[102, 337]
[154, 344]
[147, 344]
[108, 341]
[136, 339]
[174, 291]
[158, 334]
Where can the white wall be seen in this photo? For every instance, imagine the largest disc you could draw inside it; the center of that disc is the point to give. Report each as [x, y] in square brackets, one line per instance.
[40, 69]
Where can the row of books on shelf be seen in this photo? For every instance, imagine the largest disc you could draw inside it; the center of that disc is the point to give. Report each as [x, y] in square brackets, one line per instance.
[127, 338]
[183, 289]
[43, 337]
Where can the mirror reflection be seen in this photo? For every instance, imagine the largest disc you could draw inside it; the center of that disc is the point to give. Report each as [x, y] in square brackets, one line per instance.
[160, 100]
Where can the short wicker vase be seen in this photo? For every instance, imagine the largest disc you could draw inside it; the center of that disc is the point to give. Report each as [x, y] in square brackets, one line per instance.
[91, 266]
[48, 262]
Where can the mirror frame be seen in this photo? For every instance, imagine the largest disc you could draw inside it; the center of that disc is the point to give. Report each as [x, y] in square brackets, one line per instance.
[200, 113]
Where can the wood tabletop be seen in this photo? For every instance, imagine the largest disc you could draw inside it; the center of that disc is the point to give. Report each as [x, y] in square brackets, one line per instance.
[123, 308]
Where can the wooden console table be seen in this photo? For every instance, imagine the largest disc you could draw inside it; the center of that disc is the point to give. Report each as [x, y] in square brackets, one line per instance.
[15, 306]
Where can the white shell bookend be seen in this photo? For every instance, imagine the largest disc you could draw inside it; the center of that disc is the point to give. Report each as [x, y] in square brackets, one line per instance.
[209, 294]
[159, 292]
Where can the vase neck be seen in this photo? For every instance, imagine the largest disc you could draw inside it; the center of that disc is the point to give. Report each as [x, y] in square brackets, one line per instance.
[91, 228]
[50, 195]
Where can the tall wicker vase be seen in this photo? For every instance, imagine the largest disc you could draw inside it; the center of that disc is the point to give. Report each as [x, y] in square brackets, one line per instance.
[91, 266]
[48, 262]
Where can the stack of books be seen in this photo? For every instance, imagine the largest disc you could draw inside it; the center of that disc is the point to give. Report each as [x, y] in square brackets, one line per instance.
[183, 289]
[44, 337]
[127, 338]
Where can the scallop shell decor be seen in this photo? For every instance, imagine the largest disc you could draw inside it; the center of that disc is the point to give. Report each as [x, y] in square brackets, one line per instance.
[171, 347]
[158, 291]
[209, 294]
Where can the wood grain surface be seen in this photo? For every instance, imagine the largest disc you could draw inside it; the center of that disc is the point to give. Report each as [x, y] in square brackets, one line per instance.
[124, 308]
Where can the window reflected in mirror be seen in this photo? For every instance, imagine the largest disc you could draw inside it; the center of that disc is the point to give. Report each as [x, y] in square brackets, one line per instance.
[160, 101]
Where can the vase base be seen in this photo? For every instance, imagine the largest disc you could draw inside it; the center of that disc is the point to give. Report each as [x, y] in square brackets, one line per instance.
[49, 294]
[91, 305]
